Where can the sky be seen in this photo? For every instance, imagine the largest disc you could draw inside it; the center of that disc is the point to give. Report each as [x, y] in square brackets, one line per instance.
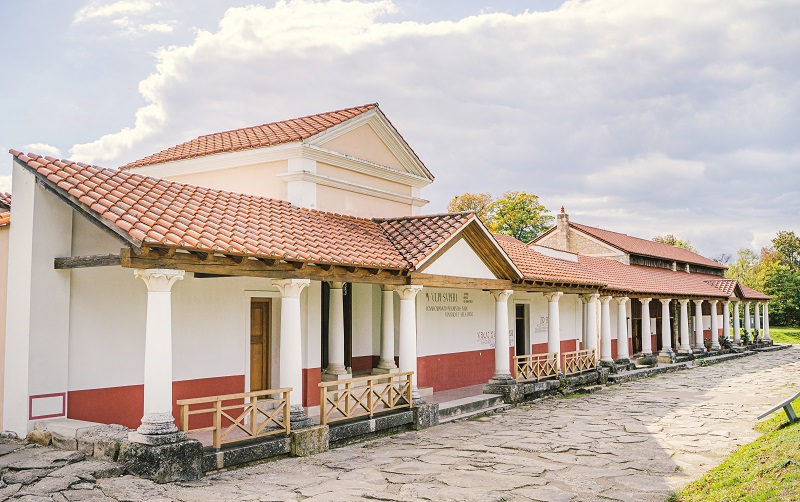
[647, 118]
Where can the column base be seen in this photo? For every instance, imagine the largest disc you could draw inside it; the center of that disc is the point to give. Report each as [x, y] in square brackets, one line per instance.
[622, 360]
[165, 463]
[666, 356]
[335, 377]
[298, 418]
[385, 371]
[157, 439]
[502, 380]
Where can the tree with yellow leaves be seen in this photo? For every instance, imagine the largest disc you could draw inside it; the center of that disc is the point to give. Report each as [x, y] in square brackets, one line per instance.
[518, 214]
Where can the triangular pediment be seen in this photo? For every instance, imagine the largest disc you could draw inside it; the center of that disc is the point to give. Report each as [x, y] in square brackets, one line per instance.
[371, 137]
[459, 260]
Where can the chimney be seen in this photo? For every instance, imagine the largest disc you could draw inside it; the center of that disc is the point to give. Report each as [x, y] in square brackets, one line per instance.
[562, 231]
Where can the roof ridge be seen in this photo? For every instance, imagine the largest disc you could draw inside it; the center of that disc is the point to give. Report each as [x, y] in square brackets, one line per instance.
[420, 216]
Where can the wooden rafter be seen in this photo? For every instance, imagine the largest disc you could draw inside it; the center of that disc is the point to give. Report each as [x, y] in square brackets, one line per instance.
[97, 260]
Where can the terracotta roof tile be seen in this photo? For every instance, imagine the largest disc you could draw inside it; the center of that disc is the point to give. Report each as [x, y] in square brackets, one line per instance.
[536, 266]
[143, 207]
[5, 219]
[417, 237]
[752, 294]
[650, 280]
[644, 247]
[5, 199]
[727, 286]
[274, 133]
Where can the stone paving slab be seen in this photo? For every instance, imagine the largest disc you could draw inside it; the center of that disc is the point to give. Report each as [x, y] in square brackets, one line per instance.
[636, 441]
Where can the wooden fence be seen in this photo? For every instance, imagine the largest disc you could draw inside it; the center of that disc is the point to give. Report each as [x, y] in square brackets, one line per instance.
[343, 399]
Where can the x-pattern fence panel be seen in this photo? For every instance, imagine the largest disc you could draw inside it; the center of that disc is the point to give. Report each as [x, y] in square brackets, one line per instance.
[534, 367]
[236, 417]
[343, 399]
[578, 361]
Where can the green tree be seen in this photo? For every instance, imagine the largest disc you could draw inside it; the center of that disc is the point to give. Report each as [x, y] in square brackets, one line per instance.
[787, 245]
[520, 215]
[674, 241]
[479, 203]
[744, 268]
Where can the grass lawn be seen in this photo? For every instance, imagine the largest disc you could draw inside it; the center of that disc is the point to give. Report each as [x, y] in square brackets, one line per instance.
[768, 469]
[784, 335]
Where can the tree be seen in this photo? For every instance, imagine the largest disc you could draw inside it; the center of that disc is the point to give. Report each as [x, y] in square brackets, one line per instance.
[479, 203]
[787, 245]
[744, 268]
[518, 214]
[723, 258]
[674, 241]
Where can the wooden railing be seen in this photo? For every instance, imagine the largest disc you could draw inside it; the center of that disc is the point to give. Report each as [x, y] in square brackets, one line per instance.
[343, 399]
[578, 361]
[236, 417]
[534, 367]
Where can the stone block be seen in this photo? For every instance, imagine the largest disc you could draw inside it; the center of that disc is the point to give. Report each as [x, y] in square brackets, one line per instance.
[426, 415]
[246, 452]
[65, 443]
[86, 446]
[106, 449]
[512, 392]
[164, 463]
[394, 421]
[40, 437]
[339, 432]
[310, 441]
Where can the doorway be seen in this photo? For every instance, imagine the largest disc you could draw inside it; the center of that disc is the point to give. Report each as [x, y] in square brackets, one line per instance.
[260, 339]
[521, 329]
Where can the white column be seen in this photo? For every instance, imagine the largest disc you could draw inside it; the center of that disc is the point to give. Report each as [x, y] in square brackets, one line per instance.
[502, 369]
[157, 419]
[686, 345]
[622, 328]
[714, 325]
[605, 330]
[647, 340]
[553, 326]
[747, 326]
[584, 323]
[757, 318]
[336, 330]
[290, 341]
[726, 319]
[666, 330]
[408, 332]
[766, 322]
[386, 363]
[591, 322]
[698, 325]
[737, 332]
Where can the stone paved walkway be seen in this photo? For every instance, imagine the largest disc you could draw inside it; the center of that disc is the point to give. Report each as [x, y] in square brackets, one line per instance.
[631, 442]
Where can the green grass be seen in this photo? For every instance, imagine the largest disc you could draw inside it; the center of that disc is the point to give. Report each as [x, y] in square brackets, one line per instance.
[784, 335]
[768, 469]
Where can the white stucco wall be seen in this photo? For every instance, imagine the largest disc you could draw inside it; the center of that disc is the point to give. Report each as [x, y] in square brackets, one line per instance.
[459, 261]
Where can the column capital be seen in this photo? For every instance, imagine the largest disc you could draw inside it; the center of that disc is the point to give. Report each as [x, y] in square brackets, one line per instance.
[387, 287]
[159, 280]
[665, 301]
[622, 300]
[290, 288]
[553, 297]
[725, 302]
[746, 303]
[408, 292]
[698, 302]
[589, 296]
[713, 302]
[336, 284]
[645, 300]
[605, 299]
[684, 301]
[501, 295]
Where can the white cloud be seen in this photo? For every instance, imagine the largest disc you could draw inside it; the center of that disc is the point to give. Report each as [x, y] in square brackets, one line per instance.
[5, 183]
[655, 120]
[122, 8]
[42, 149]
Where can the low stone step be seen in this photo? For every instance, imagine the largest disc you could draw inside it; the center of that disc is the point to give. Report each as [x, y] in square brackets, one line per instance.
[772, 348]
[475, 413]
[590, 389]
[468, 405]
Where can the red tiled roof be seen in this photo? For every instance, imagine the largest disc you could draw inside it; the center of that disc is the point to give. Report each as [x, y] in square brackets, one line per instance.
[644, 247]
[650, 280]
[5, 219]
[536, 266]
[274, 133]
[152, 210]
[5, 199]
[417, 237]
[752, 294]
[727, 286]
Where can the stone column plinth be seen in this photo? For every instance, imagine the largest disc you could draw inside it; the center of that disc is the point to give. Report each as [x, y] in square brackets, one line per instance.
[386, 363]
[686, 344]
[605, 331]
[408, 333]
[158, 425]
[623, 355]
[647, 335]
[553, 325]
[291, 349]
